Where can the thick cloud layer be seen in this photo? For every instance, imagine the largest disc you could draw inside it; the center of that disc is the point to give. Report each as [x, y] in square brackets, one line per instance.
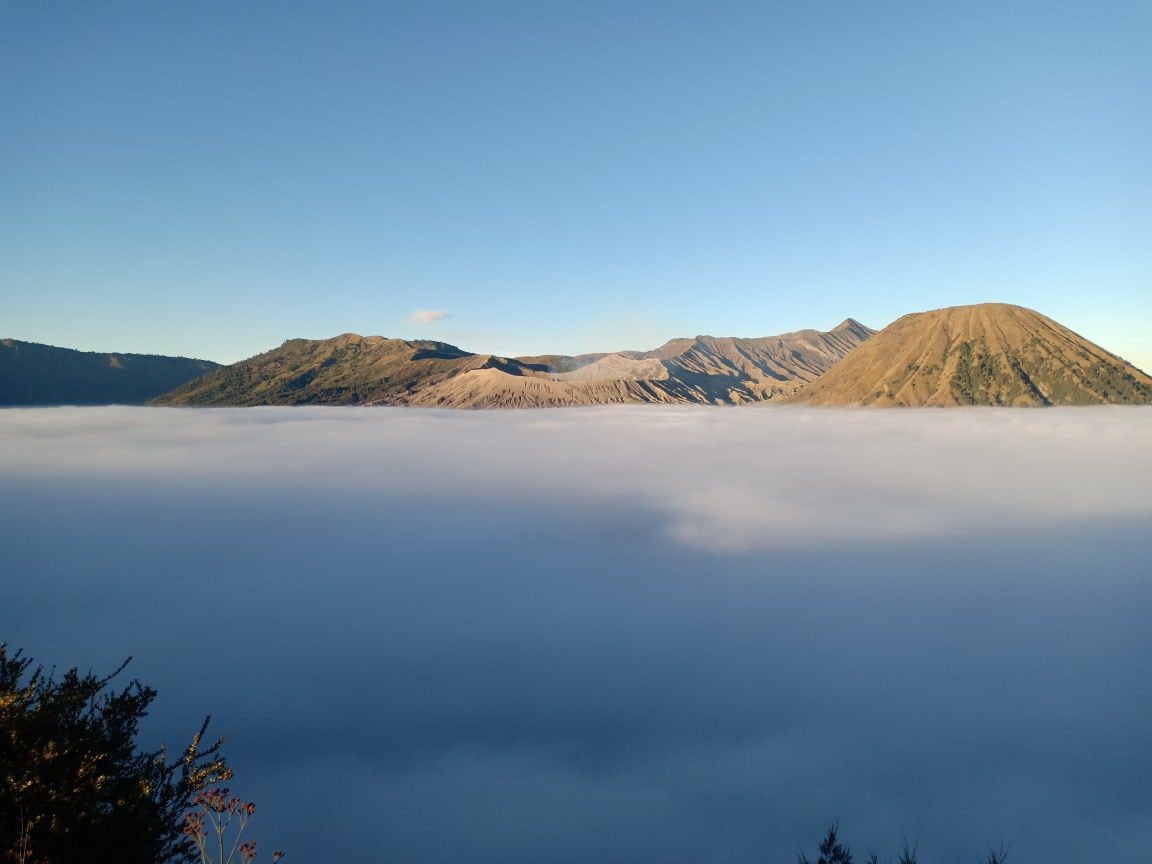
[615, 634]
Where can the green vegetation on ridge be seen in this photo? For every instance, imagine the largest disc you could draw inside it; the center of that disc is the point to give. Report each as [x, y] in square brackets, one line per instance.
[34, 374]
[986, 354]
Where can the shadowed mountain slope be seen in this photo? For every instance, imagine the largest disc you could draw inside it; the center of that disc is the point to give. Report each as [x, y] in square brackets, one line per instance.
[34, 374]
[353, 369]
[767, 367]
[986, 354]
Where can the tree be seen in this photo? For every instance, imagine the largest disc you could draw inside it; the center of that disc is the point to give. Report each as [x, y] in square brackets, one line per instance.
[831, 851]
[72, 785]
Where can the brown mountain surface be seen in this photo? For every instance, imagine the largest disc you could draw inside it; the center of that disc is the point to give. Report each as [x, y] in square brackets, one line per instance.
[762, 368]
[345, 370]
[492, 388]
[352, 369]
[986, 354]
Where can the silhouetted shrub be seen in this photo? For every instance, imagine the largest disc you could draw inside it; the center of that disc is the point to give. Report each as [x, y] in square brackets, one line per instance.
[72, 785]
[832, 851]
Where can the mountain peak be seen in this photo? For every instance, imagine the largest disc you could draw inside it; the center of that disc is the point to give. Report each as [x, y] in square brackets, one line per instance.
[854, 327]
[981, 354]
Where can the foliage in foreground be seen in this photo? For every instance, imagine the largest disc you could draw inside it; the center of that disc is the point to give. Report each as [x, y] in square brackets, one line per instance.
[832, 851]
[72, 785]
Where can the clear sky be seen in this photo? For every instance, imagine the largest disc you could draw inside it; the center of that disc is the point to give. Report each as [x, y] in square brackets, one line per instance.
[210, 178]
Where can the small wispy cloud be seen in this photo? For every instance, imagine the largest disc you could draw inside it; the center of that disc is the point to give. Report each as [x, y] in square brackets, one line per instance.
[428, 316]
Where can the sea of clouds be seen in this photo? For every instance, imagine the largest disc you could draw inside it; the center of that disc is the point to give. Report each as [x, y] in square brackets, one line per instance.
[615, 634]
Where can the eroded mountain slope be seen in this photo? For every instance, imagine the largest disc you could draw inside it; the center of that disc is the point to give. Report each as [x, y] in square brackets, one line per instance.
[352, 369]
[985, 354]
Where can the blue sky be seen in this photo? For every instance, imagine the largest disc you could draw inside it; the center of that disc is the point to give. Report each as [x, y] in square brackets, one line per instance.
[211, 178]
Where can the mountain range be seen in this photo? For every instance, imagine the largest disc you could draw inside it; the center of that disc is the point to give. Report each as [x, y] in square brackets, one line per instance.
[372, 370]
[986, 354]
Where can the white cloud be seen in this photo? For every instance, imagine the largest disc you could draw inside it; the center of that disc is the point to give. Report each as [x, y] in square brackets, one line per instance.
[489, 634]
[428, 316]
[720, 480]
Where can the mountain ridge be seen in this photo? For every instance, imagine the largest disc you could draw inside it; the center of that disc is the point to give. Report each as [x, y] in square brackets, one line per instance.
[32, 374]
[351, 369]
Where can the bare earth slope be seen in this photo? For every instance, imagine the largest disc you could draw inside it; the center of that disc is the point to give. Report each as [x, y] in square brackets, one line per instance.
[987, 354]
[705, 370]
[767, 367]
[352, 369]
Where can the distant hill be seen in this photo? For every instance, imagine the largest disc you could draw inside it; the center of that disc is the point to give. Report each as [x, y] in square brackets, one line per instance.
[373, 370]
[987, 354]
[34, 374]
